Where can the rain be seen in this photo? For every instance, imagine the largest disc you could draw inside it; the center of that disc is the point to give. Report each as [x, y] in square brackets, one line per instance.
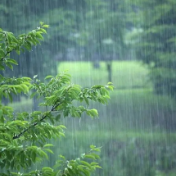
[129, 43]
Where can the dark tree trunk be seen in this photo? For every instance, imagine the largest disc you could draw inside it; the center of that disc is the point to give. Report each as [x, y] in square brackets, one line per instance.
[109, 69]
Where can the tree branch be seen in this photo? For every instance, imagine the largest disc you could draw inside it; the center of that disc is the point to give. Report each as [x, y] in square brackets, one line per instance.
[36, 123]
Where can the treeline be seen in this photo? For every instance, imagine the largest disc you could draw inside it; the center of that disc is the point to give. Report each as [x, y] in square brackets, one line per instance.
[97, 30]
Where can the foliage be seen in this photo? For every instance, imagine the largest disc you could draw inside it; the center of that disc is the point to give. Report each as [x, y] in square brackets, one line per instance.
[103, 34]
[21, 21]
[156, 43]
[24, 136]
[81, 28]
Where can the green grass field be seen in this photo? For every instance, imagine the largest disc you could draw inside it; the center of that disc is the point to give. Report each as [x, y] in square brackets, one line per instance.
[125, 74]
[133, 104]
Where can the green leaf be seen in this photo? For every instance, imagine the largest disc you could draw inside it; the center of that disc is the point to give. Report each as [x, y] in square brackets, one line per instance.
[38, 35]
[49, 151]
[45, 26]
[104, 91]
[17, 51]
[48, 145]
[41, 23]
[110, 87]
[1, 116]
[2, 54]
[33, 94]
[66, 112]
[86, 100]
[94, 148]
[9, 65]
[43, 30]
[92, 113]
[58, 117]
[48, 77]
[110, 83]
[47, 171]
[86, 164]
[13, 61]
[90, 156]
[2, 67]
[35, 76]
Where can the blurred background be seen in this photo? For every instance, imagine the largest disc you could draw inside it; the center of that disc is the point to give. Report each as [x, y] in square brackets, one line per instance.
[129, 43]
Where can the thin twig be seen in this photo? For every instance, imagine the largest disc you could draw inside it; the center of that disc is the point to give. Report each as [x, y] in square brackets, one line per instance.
[36, 123]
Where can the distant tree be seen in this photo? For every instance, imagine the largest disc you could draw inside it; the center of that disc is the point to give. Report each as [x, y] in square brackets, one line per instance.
[88, 28]
[156, 45]
[24, 136]
[61, 15]
[102, 32]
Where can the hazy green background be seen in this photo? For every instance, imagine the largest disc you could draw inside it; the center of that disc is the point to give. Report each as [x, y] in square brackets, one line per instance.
[135, 129]
[135, 42]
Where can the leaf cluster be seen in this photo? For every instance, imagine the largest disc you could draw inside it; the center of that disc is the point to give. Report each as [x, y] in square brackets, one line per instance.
[9, 42]
[24, 136]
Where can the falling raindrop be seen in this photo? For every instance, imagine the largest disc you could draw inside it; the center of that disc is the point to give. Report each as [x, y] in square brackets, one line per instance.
[129, 43]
